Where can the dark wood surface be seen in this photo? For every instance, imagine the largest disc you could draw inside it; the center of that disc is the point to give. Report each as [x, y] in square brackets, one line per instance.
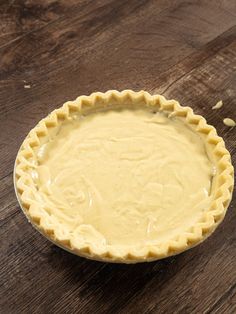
[183, 49]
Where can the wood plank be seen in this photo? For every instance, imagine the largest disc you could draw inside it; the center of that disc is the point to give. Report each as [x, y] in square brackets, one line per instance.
[226, 304]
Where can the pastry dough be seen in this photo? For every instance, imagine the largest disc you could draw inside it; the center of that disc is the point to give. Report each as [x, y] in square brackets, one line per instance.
[124, 177]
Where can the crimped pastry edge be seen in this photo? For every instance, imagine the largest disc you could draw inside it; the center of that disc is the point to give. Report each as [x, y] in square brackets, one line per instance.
[196, 234]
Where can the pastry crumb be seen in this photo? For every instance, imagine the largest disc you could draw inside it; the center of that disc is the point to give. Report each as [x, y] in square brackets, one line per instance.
[27, 86]
[218, 105]
[229, 122]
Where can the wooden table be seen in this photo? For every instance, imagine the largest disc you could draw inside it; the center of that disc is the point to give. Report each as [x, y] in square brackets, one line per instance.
[52, 51]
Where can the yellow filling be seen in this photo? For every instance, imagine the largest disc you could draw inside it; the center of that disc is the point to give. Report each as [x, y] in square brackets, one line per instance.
[124, 177]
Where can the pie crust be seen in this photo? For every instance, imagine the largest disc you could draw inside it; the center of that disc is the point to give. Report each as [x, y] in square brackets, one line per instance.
[221, 190]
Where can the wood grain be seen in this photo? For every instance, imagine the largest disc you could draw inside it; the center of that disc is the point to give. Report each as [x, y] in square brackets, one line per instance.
[183, 49]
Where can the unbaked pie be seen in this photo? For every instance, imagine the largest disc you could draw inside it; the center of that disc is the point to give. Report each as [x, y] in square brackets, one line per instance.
[124, 177]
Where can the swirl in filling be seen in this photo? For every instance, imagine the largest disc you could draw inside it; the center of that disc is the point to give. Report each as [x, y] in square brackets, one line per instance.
[124, 177]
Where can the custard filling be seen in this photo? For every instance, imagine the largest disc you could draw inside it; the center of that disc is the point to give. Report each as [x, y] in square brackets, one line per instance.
[124, 177]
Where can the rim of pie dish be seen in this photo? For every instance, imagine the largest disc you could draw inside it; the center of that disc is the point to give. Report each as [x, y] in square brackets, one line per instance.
[220, 193]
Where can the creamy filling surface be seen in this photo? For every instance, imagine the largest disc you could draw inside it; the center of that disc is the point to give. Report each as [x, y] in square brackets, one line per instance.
[124, 177]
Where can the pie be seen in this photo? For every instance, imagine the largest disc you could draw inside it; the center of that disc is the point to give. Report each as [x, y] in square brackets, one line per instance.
[124, 177]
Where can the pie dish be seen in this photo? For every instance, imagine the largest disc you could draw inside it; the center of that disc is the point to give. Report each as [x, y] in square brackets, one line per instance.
[124, 177]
